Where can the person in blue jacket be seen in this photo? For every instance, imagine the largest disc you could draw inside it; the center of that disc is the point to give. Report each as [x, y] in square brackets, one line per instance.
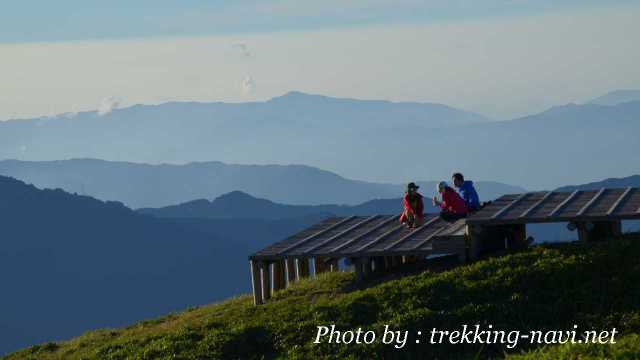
[468, 192]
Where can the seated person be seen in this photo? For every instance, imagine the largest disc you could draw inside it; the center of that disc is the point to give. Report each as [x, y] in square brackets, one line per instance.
[452, 205]
[468, 192]
[413, 214]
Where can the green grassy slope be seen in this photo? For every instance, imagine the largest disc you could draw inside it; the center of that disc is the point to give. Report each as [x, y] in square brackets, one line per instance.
[545, 288]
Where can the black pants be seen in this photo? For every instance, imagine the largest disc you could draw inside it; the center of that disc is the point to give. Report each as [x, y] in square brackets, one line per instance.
[451, 217]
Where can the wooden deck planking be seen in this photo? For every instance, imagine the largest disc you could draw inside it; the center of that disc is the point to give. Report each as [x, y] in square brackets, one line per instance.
[577, 203]
[426, 242]
[519, 208]
[592, 202]
[390, 233]
[509, 206]
[359, 231]
[342, 234]
[411, 233]
[605, 202]
[538, 201]
[300, 246]
[456, 229]
[411, 243]
[632, 204]
[354, 247]
[372, 236]
[569, 200]
[406, 235]
[624, 197]
[279, 246]
[550, 203]
[490, 210]
[327, 234]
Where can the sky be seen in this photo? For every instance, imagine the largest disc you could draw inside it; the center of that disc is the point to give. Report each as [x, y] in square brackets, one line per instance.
[501, 58]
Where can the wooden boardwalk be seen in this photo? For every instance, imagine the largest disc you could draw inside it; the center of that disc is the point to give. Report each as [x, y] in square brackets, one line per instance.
[380, 242]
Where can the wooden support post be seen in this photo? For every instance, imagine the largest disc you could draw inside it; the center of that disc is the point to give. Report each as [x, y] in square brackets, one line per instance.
[366, 266]
[583, 232]
[302, 265]
[291, 271]
[606, 230]
[599, 230]
[266, 283]
[378, 264]
[517, 237]
[410, 259]
[472, 235]
[319, 265]
[358, 268]
[277, 275]
[617, 228]
[256, 282]
[333, 265]
[396, 261]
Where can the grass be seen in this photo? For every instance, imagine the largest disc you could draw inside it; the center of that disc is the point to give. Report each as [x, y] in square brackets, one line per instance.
[551, 287]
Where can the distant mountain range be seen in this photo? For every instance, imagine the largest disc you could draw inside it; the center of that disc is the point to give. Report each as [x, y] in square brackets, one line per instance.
[70, 263]
[617, 97]
[142, 185]
[374, 140]
[633, 181]
[239, 205]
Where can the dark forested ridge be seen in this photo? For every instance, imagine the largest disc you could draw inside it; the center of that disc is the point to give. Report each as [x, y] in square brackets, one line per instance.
[70, 263]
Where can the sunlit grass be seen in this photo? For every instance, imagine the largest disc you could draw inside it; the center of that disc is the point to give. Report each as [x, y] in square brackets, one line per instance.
[548, 287]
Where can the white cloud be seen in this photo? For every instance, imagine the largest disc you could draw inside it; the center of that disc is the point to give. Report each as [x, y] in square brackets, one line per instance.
[107, 105]
[243, 48]
[502, 67]
[248, 86]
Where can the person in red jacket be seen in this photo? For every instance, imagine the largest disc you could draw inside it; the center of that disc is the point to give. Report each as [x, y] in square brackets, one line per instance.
[413, 214]
[452, 205]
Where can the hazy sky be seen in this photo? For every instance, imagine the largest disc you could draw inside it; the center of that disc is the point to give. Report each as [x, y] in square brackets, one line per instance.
[502, 58]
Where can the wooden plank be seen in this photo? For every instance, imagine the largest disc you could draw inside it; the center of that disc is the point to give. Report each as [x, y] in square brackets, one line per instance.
[291, 270]
[366, 266]
[357, 266]
[309, 238]
[421, 243]
[396, 261]
[454, 228]
[380, 238]
[591, 202]
[363, 235]
[619, 201]
[511, 205]
[266, 284]
[256, 283]
[319, 265]
[537, 204]
[333, 265]
[379, 264]
[277, 276]
[563, 203]
[412, 233]
[302, 266]
[333, 238]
